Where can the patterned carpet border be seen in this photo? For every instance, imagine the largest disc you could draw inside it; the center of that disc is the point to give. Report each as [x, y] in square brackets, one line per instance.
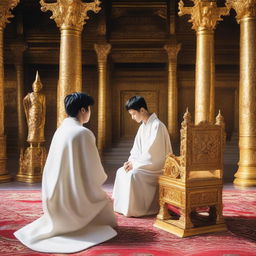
[137, 236]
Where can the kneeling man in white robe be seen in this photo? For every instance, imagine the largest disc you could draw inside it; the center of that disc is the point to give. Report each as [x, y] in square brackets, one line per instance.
[77, 212]
[135, 190]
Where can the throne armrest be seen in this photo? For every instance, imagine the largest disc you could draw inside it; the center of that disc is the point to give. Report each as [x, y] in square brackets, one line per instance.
[172, 166]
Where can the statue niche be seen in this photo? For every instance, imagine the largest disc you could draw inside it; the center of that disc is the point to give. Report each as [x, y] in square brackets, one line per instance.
[191, 185]
[32, 159]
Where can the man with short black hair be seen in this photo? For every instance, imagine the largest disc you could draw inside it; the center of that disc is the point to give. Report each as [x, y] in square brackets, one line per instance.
[77, 212]
[135, 190]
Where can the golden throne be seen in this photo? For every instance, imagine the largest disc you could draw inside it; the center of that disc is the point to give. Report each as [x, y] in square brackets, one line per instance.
[191, 185]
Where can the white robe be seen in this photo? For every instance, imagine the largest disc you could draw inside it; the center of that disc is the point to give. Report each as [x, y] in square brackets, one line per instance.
[77, 212]
[135, 192]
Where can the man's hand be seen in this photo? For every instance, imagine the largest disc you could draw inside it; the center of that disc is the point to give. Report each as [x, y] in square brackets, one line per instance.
[128, 166]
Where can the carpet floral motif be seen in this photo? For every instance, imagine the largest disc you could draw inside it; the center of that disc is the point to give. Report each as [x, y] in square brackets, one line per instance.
[137, 236]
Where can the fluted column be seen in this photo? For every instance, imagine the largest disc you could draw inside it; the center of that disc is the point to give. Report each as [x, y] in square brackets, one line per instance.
[18, 49]
[5, 6]
[172, 50]
[204, 16]
[70, 16]
[246, 16]
[102, 51]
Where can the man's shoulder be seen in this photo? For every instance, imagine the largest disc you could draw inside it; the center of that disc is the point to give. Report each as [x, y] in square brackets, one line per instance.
[84, 131]
[159, 125]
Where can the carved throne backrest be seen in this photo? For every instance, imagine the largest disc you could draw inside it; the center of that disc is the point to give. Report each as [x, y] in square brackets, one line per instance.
[201, 151]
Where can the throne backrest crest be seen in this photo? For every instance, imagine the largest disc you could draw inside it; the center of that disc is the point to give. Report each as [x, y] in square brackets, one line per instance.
[201, 150]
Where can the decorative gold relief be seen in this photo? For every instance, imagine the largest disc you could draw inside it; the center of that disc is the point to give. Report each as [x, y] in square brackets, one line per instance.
[31, 163]
[33, 158]
[5, 14]
[245, 8]
[194, 180]
[204, 14]
[203, 198]
[206, 147]
[70, 13]
[171, 167]
[173, 196]
[102, 51]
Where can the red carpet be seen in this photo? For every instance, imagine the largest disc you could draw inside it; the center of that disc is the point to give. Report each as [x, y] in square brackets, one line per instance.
[137, 236]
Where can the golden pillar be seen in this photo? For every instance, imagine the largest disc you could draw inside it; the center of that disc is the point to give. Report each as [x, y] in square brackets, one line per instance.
[70, 16]
[212, 86]
[102, 51]
[172, 50]
[5, 6]
[32, 159]
[246, 16]
[204, 15]
[18, 49]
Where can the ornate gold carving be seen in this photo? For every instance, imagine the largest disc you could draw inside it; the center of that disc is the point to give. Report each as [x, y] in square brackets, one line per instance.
[172, 51]
[171, 167]
[186, 119]
[34, 105]
[102, 51]
[194, 179]
[203, 198]
[172, 196]
[31, 163]
[70, 13]
[204, 14]
[5, 14]
[205, 147]
[245, 8]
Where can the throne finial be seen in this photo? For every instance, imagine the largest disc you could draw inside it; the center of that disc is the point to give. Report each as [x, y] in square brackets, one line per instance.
[186, 118]
[220, 119]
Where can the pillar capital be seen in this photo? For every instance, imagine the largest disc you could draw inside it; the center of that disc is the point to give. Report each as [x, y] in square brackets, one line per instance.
[70, 14]
[5, 14]
[244, 9]
[204, 14]
[172, 50]
[102, 50]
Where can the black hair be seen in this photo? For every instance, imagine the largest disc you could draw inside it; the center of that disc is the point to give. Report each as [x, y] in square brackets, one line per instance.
[75, 101]
[136, 103]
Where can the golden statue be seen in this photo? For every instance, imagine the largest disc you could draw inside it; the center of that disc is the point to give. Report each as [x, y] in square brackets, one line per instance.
[34, 105]
[33, 158]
